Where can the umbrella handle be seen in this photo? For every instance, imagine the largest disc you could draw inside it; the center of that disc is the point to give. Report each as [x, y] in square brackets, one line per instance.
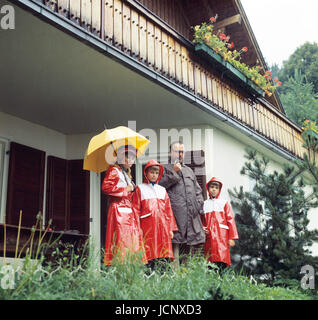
[113, 148]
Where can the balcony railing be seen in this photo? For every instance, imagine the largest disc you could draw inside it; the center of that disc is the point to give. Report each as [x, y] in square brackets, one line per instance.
[134, 30]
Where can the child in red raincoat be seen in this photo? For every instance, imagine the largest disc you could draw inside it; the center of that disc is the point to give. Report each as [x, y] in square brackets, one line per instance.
[152, 203]
[123, 233]
[219, 225]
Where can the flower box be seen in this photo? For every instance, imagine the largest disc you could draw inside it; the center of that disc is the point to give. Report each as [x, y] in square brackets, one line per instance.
[229, 70]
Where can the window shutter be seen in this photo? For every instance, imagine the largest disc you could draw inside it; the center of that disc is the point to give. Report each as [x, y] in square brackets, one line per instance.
[103, 209]
[196, 161]
[56, 192]
[67, 202]
[79, 190]
[25, 184]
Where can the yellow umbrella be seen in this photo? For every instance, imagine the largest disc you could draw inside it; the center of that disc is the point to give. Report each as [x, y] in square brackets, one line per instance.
[100, 152]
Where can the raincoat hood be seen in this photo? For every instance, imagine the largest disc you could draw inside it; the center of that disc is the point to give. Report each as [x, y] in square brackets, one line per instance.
[150, 164]
[214, 179]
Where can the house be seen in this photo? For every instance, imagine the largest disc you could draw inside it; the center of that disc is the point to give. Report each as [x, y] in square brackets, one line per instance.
[69, 68]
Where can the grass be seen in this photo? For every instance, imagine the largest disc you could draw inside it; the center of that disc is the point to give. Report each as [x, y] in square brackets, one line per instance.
[81, 279]
[68, 275]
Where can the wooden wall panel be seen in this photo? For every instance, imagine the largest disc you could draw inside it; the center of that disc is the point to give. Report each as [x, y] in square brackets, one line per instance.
[219, 93]
[184, 63]
[247, 112]
[165, 54]
[178, 62]
[225, 100]
[143, 39]
[204, 91]
[243, 111]
[238, 107]
[109, 20]
[197, 80]
[262, 115]
[86, 14]
[209, 88]
[150, 44]
[215, 92]
[251, 115]
[126, 29]
[158, 49]
[118, 24]
[75, 11]
[135, 41]
[230, 100]
[172, 58]
[96, 22]
[64, 8]
[191, 76]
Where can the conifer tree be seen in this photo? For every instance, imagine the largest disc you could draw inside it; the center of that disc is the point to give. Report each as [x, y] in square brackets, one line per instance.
[272, 220]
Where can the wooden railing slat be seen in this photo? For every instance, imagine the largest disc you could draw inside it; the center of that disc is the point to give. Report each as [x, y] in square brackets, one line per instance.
[158, 49]
[75, 11]
[109, 20]
[127, 28]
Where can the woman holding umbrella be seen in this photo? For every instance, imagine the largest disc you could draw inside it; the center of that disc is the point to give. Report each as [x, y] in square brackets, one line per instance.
[115, 150]
[123, 235]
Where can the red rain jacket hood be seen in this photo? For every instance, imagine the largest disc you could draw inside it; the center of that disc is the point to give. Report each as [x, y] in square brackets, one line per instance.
[150, 164]
[214, 179]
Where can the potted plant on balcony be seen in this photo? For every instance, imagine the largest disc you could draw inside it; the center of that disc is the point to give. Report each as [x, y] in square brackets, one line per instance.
[220, 50]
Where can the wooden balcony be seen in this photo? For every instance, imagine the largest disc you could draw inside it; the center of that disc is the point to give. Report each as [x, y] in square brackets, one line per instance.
[139, 33]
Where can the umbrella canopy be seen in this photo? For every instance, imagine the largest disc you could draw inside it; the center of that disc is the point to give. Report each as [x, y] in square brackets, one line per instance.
[102, 148]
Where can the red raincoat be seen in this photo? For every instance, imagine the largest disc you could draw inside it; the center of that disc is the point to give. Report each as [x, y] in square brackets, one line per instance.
[221, 225]
[152, 204]
[123, 234]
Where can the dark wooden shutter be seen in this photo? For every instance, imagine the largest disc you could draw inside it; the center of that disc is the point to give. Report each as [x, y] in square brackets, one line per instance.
[78, 185]
[103, 212]
[57, 192]
[67, 202]
[196, 161]
[25, 184]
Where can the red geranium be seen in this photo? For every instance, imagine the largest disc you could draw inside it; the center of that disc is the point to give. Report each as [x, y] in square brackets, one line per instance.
[231, 46]
[212, 19]
[244, 49]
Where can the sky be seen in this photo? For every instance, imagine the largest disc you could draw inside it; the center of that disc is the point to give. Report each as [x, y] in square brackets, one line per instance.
[281, 26]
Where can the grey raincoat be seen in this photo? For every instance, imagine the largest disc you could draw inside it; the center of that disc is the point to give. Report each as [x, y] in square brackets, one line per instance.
[187, 204]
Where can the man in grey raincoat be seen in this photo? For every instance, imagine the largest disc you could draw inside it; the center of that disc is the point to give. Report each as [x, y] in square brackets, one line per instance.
[186, 201]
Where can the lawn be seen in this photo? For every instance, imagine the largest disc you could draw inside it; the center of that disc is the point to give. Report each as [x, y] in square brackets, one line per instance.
[84, 279]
